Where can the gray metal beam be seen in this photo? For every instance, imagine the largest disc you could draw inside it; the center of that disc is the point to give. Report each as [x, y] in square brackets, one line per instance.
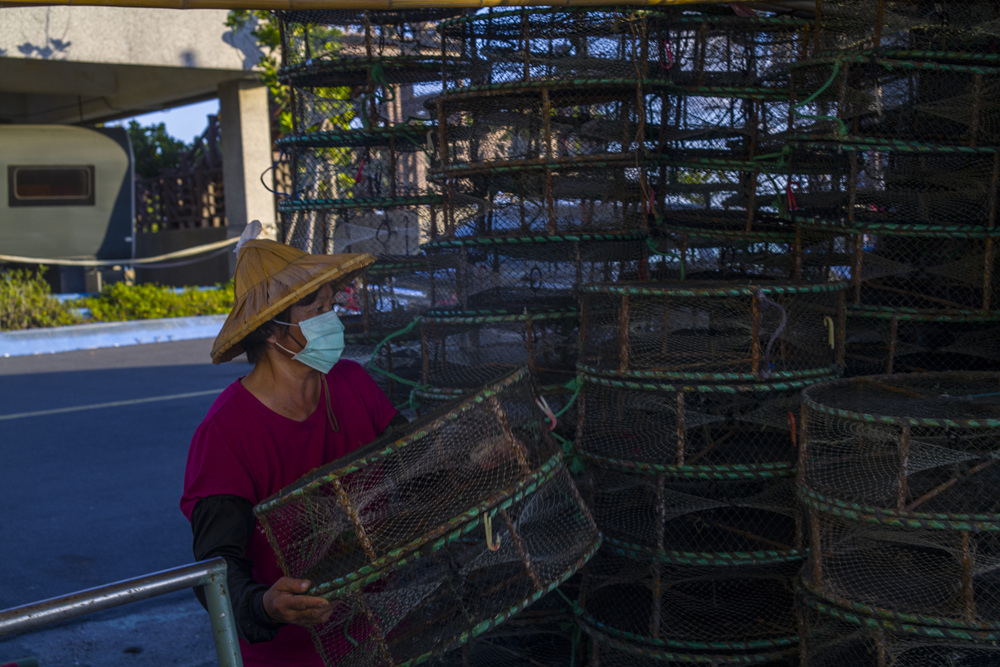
[210, 574]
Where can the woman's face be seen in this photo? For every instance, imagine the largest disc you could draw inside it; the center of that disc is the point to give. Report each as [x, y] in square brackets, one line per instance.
[323, 303]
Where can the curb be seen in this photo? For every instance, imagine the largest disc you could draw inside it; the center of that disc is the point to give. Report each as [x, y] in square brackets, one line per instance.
[108, 334]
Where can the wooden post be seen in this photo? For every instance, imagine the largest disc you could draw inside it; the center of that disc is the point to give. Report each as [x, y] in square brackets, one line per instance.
[902, 489]
[841, 341]
[623, 324]
[893, 334]
[755, 351]
[968, 590]
[680, 428]
[661, 513]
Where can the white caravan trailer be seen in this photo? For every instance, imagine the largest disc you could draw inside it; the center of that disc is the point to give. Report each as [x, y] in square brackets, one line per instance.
[66, 192]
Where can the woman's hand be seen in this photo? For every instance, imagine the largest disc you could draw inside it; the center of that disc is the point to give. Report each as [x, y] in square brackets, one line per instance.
[286, 602]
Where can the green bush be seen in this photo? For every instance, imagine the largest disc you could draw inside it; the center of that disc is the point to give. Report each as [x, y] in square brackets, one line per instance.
[119, 302]
[26, 302]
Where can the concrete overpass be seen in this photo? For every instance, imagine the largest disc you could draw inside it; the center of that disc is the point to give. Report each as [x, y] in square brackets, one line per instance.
[83, 65]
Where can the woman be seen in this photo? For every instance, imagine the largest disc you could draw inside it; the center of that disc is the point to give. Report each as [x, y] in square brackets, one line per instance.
[298, 408]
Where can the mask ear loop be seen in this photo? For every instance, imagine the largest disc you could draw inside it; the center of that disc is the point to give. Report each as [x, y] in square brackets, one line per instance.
[330, 417]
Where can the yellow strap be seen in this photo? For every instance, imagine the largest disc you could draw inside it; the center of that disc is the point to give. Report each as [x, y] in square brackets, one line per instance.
[828, 321]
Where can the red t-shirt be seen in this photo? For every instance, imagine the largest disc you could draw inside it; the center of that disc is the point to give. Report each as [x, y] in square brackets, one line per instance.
[243, 448]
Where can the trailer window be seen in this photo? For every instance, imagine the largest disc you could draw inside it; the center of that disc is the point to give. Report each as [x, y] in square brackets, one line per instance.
[50, 186]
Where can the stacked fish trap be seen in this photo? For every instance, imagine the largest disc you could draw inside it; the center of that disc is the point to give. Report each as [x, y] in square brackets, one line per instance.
[723, 111]
[431, 538]
[897, 476]
[686, 424]
[360, 146]
[358, 153]
[501, 301]
[379, 320]
[544, 155]
[901, 103]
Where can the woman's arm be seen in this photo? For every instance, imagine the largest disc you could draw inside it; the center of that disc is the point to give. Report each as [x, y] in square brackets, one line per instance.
[222, 526]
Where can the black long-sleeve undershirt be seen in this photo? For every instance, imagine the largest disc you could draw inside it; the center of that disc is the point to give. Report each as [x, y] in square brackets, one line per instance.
[222, 526]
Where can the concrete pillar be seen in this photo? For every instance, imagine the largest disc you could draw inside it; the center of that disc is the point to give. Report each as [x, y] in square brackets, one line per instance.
[245, 125]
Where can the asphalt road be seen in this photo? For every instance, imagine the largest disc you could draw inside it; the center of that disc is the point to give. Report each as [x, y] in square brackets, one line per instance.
[92, 451]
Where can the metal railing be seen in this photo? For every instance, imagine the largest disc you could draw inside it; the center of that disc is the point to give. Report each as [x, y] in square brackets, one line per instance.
[209, 574]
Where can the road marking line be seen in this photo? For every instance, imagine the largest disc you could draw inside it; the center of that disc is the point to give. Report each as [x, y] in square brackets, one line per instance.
[114, 404]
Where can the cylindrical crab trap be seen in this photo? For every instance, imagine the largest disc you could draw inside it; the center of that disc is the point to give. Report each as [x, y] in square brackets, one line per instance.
[381, 226]
[709, 188]
[928, 269]
[543, 634]
[516, 272]
[904, 341]
[689, 247]
[896, 473]
[692, 609]
[864, 94]
[703, 474]
[834, 636]
[321, 46]
[503, 45]
[434, 537]
[358, 164]
[359, 190]
[957, 30]
[606, 651]
[462, 349]
[391, 294]
[360, 142]
[555, 198]
[869, 180]
[546, 131]
[711, 331]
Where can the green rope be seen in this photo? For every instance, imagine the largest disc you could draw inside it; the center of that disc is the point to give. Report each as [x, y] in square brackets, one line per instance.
[657, 251]
[412, 402]
[378, 76]
[841, 126]
[576, 384]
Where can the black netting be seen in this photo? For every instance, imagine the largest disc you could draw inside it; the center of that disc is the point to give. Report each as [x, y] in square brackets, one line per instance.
[690, 607]
[833, 636]
[710, 331]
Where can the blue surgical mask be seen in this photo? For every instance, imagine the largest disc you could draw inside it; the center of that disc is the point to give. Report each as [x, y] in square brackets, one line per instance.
[324, 341]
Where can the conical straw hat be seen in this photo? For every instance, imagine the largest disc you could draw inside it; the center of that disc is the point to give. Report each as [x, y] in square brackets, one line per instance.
[270, 277]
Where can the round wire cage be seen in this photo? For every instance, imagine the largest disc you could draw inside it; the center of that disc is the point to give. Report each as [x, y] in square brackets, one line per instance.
[724, 517]
[513, 272]
[690, 430]
[320, 46]
[505, 45]
[925, 269]
[959, 30]
[908, 447]
[462, 349]
[873, 181]
[896, 475]
[833, 636]
[931, 98]
[903, 341]
[936, 575]
[697, 245]
[712, 331]
[540, 198]
[427, 542]
[613, 652]
[687, 608]
[387, 226]
[349, 177]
